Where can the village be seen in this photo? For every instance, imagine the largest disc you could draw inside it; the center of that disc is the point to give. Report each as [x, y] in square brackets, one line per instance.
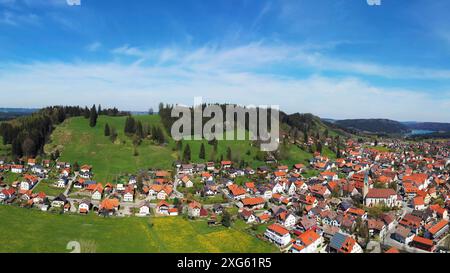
[389, 197]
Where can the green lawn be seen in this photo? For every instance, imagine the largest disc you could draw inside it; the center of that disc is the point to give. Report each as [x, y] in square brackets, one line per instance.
[10, 177]
[328, 153]
[47, 187]
[79, 142]
[240, 150]
[27, 230]
[379, 148]
[297, 155]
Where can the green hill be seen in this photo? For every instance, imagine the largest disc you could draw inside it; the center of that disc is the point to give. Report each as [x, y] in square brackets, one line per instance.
[78, 142]
[374, 125]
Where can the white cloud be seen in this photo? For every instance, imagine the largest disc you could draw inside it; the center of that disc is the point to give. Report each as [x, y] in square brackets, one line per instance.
[140, 87]
[17, 19]
[94, 46]
[258, 54]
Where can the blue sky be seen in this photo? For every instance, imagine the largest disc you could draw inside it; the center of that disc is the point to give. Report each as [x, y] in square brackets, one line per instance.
[333, 58]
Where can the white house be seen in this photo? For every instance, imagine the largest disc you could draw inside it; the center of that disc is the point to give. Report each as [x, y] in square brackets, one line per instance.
[61, 183]
[25, 185]
[17, 168]
[194, 209]
[289, 221]
[307, 242]
[97, 195]
[83, 207]
[144, 209]
[128, 197]
[278, 235]
[278, 188]
[187, 182]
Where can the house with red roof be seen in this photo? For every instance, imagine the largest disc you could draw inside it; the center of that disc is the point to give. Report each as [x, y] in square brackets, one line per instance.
[252, 203]
[437, 230]
[278, 234]
[423, 243]
[307, 242]
[387, 197]
[194, 209]
[418, 203]
[236, 192]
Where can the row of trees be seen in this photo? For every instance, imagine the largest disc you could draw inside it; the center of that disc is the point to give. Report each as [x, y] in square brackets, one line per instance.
[140, 131]
[186, 152]
[29, 134]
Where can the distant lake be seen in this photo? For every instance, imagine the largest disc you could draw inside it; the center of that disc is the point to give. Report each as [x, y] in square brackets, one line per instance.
[419, 132]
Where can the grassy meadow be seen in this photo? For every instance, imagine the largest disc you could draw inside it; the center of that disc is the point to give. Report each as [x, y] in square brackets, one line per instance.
[78, 142]
[31, 231]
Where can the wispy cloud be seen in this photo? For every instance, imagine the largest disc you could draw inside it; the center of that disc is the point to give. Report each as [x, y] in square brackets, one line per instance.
[16, 19]
[94, 46]
[258, 54]
[219, 75]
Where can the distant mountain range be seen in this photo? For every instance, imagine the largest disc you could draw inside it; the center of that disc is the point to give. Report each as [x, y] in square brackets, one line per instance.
[429, 126]
[12, 113]
[388, 126]
[385, 126]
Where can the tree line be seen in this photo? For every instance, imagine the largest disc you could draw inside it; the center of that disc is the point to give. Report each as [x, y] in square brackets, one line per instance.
[29, 134]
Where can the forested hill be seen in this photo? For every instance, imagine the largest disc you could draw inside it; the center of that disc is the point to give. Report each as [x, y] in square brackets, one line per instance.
[27, 136]
[431, 126]
[374, 125]
[297, 123]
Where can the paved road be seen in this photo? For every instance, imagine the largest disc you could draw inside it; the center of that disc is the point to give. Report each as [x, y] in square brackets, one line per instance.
[69, 185]
[178, 194]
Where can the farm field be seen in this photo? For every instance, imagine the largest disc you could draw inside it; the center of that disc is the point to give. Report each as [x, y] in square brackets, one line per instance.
[34, 231]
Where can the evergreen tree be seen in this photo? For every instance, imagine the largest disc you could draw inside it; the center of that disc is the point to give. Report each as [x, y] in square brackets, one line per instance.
[229, 155]
[319, 147]
[130, 126]
[28, 147]
[107, 130]
[86, 113]
[76, 166]
[113, 135]
[202, 152]
[93, 117]
[187, 153]
[179, 145]
[139, 130]
[226, 219]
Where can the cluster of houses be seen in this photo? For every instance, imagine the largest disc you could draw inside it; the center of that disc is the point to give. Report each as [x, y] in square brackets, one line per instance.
[398, 196]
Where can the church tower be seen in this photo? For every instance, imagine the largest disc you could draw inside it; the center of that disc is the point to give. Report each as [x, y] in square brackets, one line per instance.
[366, 185]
